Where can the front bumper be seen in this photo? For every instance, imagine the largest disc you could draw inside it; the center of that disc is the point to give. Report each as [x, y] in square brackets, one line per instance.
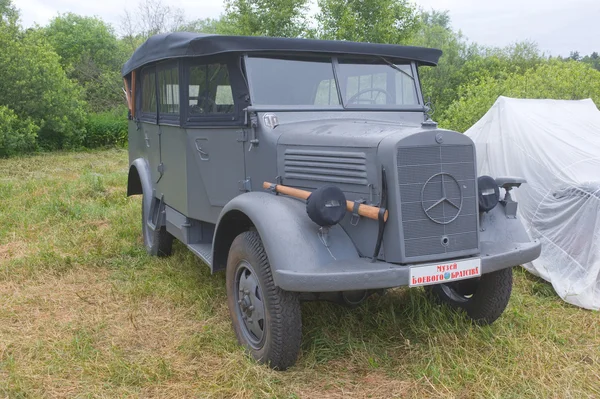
[360, 274]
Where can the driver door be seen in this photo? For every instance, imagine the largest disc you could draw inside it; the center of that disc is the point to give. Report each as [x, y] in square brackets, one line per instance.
[214, 96]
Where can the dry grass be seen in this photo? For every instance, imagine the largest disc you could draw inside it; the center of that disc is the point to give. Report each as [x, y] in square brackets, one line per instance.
[84, 312]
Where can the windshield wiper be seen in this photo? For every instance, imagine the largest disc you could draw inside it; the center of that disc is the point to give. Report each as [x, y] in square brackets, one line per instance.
[396, 67]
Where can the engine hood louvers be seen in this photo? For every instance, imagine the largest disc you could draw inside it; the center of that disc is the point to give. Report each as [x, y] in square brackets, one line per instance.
[326, 166]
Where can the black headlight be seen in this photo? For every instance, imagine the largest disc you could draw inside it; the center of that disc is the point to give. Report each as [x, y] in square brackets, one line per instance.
[489, 193]
[326, 206]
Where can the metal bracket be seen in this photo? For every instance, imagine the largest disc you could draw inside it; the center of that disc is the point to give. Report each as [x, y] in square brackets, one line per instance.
[253, 126]
[161, 171]
[371, 189]
[324, 235]
[245, 185]
[242, 136]
[510, 205]
[429, 124]
[273, 189]
[355, 216]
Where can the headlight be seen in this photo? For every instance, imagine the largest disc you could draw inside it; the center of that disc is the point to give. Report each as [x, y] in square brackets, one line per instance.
[489, 193]
[326, 206]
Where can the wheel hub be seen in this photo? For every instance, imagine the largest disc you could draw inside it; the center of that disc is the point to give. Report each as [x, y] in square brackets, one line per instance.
[245, 305]
[251, 309]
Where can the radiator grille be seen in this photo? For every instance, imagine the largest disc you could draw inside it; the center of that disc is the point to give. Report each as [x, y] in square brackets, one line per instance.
[423, 174]
[326, 166]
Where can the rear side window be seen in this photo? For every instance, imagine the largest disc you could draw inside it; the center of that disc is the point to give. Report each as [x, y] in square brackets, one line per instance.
[168, 89]
[209, 91]
[148, 91]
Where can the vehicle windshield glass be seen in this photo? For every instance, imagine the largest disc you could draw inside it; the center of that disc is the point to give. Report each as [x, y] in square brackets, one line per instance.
[376, 83]
[363, 83]
[292, 82]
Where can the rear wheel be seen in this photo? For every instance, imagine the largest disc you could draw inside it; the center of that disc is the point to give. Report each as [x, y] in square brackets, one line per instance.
[483, 299]
[266, 320]
[158, 242]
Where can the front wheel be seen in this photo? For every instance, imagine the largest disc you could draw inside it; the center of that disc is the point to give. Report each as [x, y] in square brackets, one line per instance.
[266, 320]
[483, 299]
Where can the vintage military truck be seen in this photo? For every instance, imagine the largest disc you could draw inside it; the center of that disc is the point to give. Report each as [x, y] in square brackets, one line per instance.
[310, 169]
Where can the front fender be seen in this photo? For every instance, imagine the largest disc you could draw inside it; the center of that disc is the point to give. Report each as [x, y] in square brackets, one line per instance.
[293, 242]
[504, 242]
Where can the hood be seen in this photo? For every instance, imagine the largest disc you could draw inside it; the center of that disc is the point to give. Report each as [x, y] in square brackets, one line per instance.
[342, 132]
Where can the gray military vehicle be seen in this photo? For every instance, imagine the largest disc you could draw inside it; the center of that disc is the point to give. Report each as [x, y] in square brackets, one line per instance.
[310, 169]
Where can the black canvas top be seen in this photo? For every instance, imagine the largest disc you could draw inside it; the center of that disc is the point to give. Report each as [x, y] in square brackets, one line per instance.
[185, 44]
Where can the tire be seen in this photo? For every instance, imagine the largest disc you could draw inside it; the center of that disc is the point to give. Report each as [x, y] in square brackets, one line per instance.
[483, 299]
[267, 320]
[157, 242]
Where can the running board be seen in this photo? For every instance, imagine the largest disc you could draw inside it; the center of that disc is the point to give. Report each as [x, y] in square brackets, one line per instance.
[203, 251]
[196, 235]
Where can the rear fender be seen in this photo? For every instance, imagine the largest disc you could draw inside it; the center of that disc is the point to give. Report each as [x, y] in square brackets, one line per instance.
[291, 240]
[139, 180]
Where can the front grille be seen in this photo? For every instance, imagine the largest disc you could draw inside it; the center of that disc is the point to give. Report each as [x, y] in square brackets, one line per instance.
[326, 166]
[423, 174]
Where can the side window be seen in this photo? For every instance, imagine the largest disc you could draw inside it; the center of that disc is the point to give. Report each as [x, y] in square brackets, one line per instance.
[210, 90]
[148, 95]
[168, 90]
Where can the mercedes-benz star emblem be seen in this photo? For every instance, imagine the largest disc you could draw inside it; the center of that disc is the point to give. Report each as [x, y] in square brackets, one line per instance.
[455, 206]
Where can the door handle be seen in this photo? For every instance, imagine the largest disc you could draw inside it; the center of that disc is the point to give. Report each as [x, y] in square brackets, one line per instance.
[147, 140]
[204, 156]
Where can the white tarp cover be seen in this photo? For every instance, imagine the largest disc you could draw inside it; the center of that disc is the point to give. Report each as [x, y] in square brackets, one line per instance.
[555, 145]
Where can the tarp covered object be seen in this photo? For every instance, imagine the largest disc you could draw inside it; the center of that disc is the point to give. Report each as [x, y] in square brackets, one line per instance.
[555, 145]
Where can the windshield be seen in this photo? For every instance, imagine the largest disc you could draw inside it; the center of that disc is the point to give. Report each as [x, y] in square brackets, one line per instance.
[360, 83]
[383, 84]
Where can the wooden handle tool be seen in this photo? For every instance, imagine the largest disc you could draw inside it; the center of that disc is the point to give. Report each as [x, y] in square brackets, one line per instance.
[368, 211]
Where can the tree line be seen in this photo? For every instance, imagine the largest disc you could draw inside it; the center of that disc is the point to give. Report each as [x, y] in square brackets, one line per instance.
[61, 87]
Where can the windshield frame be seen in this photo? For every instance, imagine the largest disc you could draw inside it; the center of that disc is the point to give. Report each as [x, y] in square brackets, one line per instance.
[419, 107]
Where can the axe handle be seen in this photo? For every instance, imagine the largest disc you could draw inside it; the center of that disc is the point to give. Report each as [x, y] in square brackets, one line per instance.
[368, 211]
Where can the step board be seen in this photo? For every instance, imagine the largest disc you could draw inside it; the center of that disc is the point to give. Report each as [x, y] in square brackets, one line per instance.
[203, 251]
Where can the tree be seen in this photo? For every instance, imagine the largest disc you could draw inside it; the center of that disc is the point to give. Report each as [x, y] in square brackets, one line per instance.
[8, 12]
[463, 62]
[593, 60]
[91, 54]
[440, 83]
[554, 79]
[279, 18]
[36, 88]
[374, 21]
[574, 55]
[151, 17]
[203, 25]
[16, 135]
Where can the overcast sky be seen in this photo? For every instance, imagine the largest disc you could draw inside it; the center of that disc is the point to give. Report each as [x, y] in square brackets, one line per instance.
[557, 26]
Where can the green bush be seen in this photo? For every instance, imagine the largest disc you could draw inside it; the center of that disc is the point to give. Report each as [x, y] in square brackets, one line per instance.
[554, 79]
[106, 129]
[16, 135]
[34, 85]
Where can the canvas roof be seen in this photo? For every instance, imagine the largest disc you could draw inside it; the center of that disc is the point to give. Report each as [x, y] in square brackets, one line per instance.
[185, 44]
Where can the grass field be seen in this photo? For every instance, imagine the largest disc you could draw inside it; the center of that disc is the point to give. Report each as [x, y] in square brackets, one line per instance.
[84, 312]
